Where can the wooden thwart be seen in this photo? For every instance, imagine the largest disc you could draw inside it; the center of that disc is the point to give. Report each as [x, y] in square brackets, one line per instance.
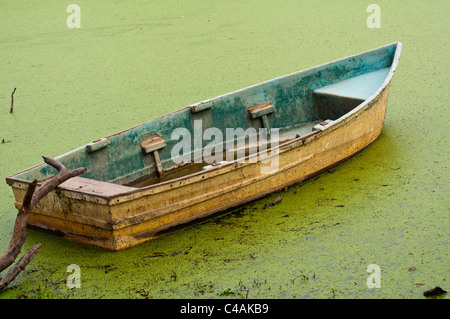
[262, 110]
[152, 145]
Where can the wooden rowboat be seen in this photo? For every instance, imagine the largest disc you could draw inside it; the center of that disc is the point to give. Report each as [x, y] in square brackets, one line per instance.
[142, 182]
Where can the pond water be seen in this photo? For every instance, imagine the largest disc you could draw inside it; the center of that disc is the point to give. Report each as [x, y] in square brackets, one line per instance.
[133, 61]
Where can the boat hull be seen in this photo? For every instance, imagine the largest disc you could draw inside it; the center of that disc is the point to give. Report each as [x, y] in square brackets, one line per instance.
[115, 217]
[132, 219]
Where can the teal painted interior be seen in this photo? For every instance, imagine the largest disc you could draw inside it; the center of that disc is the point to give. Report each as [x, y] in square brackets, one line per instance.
[361, 86]
[122, 160]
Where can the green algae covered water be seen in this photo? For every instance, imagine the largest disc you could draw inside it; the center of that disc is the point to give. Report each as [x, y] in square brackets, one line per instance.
[133, 61]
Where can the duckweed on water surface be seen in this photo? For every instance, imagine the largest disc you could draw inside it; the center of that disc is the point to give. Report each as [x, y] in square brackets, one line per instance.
[133, 61]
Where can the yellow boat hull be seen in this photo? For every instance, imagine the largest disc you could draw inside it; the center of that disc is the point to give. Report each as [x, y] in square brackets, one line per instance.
[115, 217]
[123, 221]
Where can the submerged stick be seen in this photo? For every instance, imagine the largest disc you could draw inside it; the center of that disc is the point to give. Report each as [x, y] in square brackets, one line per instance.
[171, 254]
[273, 203]
[12, 101]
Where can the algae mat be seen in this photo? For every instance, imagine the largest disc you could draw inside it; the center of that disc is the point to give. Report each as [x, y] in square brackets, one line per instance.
[132, 61]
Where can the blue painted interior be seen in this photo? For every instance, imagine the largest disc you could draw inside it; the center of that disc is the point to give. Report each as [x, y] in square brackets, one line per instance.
[361, 86]
[123, 161]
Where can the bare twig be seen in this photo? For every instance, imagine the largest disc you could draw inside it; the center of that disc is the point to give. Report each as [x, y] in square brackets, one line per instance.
[31, 198]
[12, 101]
[19, 234]
[63, 175]
[19, 266]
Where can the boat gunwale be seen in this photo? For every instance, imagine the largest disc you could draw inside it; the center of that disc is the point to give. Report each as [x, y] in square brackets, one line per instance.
[224, 168]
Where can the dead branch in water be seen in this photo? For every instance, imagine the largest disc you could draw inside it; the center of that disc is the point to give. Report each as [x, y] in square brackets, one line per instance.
[273, 203]
[185, 250]
[32, 197]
